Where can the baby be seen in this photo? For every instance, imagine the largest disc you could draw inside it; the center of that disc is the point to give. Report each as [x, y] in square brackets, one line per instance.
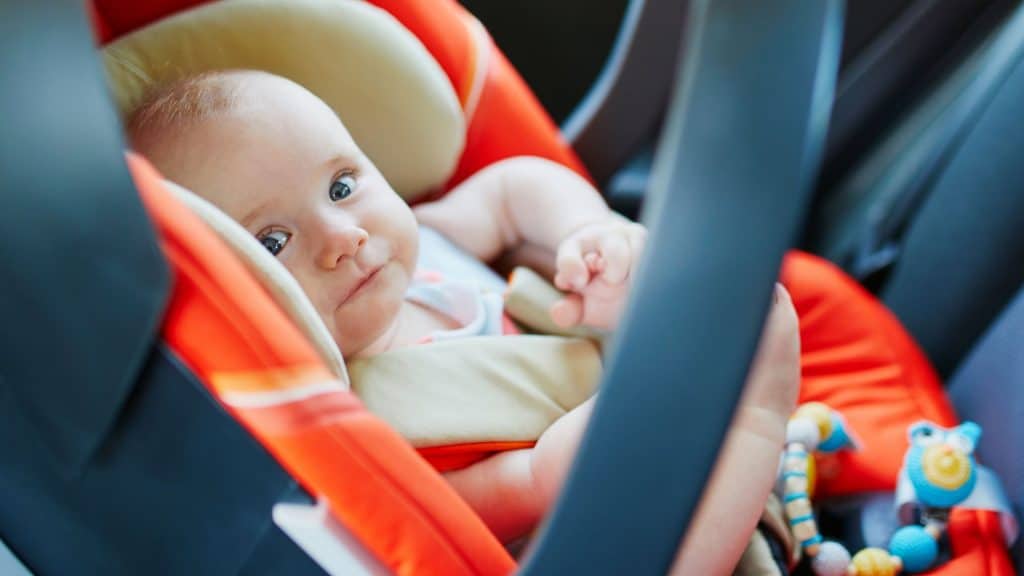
[279, 161]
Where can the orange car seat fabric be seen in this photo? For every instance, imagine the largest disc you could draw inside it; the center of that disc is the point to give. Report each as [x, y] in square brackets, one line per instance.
[978, 546]
[256, 363]
[504, 118]
[456, 456]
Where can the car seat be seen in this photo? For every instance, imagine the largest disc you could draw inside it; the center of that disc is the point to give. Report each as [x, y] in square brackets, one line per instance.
[300, 355]
[468, 148]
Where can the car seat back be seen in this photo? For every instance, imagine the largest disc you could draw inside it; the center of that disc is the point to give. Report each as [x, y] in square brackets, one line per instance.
[987, 389]
[893, 51]
[937, 204]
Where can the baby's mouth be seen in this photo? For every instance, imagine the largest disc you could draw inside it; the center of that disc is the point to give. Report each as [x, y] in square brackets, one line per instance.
[360, 285]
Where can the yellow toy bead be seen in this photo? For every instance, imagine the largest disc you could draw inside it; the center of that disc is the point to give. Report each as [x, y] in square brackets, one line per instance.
[946, 468]
[805, 530]
[818, 413]
[874, 562]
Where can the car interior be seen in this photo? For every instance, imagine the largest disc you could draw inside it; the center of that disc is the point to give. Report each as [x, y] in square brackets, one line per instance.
[881, 135]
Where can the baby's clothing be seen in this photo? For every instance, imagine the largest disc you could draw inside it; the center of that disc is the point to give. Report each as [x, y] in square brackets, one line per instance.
[438, 254]
[452, 283]
[477, 311]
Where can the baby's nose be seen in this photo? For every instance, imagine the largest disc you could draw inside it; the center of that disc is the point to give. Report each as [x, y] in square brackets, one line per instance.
[341, 242]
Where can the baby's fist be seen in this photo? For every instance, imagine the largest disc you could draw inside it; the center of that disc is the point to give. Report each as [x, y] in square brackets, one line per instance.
[595, 265]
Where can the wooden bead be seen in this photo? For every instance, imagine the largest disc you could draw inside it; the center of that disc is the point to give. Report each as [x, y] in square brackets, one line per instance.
[795, 465]
[805, 530]
[796, 484]
[798, 508]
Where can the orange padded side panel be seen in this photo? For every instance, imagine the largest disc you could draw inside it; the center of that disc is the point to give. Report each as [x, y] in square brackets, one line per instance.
[858, 359]
[229, 332]
[977, 542]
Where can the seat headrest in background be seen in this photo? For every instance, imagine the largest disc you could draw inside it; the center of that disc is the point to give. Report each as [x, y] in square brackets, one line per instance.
[987, 389]
[381, 81]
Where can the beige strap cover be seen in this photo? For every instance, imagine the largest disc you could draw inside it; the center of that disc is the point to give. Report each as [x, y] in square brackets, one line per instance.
[481, 389]
[381, 81]
[529, 297]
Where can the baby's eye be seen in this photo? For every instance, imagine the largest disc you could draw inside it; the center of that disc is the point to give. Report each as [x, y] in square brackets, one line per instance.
[274, 240]
[343, 187]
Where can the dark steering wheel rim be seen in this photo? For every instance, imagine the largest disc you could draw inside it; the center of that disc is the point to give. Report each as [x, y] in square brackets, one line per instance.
[732, 178]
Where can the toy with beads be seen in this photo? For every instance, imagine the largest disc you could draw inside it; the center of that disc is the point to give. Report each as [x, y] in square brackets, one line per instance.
[939, 466]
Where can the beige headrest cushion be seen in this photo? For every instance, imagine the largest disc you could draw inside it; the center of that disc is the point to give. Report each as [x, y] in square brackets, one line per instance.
[381, 81]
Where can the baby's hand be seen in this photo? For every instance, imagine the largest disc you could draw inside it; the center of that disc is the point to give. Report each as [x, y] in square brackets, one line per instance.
[595, 265]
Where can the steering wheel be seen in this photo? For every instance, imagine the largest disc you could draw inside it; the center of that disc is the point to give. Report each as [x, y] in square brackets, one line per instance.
[733, 172]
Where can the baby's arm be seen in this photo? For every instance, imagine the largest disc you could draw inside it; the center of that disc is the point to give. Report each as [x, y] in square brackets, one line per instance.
[512, 202]
[511, 491]
[538, 207]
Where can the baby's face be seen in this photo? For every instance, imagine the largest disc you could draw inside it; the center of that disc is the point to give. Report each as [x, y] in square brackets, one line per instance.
[284, 166]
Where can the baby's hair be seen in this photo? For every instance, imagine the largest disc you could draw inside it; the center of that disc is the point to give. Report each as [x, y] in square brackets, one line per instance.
[182, 103]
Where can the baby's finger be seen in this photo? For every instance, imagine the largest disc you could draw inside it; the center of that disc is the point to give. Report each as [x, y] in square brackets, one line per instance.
[568, 311]
[571, 270]
[617, 258]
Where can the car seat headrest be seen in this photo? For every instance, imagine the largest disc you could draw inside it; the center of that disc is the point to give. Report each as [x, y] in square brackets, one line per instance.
[272, 275]
[391, 94]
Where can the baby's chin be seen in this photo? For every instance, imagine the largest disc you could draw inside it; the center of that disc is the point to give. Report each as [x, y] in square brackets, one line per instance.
[365, 326]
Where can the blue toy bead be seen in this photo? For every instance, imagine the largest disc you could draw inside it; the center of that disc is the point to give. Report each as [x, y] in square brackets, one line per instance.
[915, 547]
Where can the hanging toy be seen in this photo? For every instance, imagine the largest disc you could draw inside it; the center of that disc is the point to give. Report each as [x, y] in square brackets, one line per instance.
[939, 465]
[941, 469]
[813, 427]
